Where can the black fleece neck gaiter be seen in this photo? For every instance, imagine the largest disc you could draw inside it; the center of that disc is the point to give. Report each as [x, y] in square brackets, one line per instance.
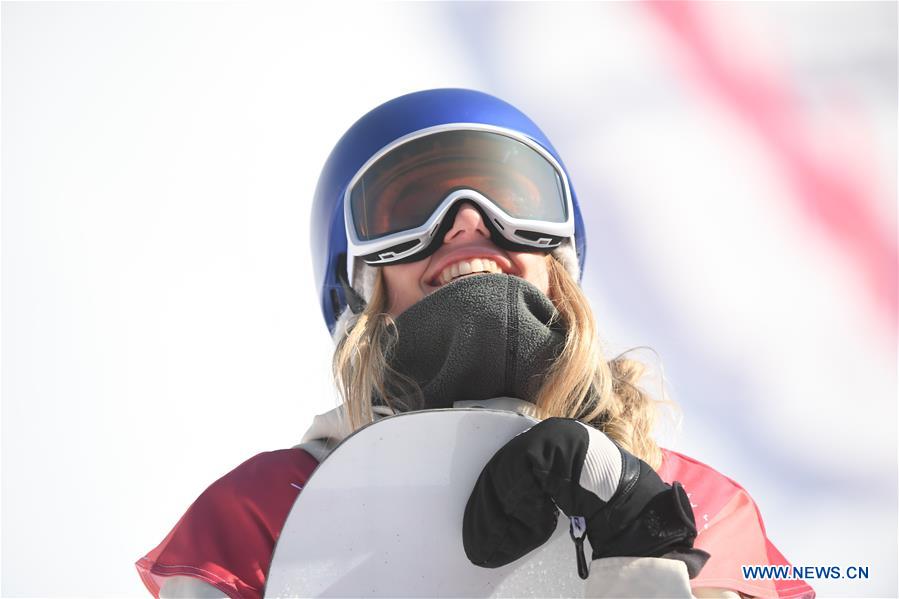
[480, 337]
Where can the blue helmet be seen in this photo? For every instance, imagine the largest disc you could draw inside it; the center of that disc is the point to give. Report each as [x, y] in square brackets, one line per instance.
[380, 127]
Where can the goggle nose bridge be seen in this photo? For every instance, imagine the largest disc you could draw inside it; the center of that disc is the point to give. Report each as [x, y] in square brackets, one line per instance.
[453, 202]
[449, 212]
[484, 205]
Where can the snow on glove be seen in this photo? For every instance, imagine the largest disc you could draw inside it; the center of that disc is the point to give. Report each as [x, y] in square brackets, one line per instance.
[627, 508]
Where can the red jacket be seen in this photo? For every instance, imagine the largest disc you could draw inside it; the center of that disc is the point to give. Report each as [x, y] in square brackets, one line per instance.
[227, 536]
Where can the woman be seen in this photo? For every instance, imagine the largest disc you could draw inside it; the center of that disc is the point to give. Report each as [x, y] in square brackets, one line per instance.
[448, 246]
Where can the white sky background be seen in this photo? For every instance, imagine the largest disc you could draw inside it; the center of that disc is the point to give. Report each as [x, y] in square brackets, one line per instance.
[159, 319]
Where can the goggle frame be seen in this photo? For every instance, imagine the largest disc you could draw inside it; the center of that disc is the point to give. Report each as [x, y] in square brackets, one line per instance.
[541, 234]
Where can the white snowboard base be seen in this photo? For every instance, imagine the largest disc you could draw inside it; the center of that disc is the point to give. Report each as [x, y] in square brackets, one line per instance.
[382, 517]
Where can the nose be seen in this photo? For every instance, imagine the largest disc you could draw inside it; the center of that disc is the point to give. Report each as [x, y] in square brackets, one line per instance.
[468, 224]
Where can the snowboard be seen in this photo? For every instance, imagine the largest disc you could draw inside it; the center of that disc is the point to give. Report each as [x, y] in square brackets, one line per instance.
[382, 516]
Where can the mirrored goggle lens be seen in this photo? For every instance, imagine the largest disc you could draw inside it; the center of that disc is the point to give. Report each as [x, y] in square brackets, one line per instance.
[401, 190]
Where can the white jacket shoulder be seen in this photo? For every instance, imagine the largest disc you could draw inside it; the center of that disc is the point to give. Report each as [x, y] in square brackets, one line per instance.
[184, 587]
[646, 577]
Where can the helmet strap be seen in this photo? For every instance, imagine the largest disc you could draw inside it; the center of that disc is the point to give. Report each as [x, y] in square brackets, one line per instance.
[355, 301]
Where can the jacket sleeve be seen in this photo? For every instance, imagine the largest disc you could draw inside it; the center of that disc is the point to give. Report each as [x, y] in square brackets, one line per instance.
[731, 530]
[226, 537]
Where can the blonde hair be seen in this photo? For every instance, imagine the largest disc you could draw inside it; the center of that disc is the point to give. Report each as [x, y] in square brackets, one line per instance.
[617, 405]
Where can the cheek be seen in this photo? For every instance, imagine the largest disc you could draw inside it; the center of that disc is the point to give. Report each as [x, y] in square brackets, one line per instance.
[533, 269]
[403, 282]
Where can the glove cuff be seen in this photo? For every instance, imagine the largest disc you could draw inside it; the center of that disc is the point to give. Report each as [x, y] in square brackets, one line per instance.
[693, 558]
[662, 524]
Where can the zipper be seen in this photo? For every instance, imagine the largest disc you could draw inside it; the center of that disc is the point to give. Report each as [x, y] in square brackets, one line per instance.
[578, 531]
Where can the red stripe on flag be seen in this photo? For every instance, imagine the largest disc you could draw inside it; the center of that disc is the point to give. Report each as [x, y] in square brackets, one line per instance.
[832, 197]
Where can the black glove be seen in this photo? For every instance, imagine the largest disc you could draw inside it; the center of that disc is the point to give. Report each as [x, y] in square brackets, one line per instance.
[559, 462]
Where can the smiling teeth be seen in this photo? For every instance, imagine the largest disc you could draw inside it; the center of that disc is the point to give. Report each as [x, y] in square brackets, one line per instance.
[467, 267]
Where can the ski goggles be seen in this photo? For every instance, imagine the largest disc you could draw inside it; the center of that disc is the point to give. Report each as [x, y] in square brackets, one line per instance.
[397, 204]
